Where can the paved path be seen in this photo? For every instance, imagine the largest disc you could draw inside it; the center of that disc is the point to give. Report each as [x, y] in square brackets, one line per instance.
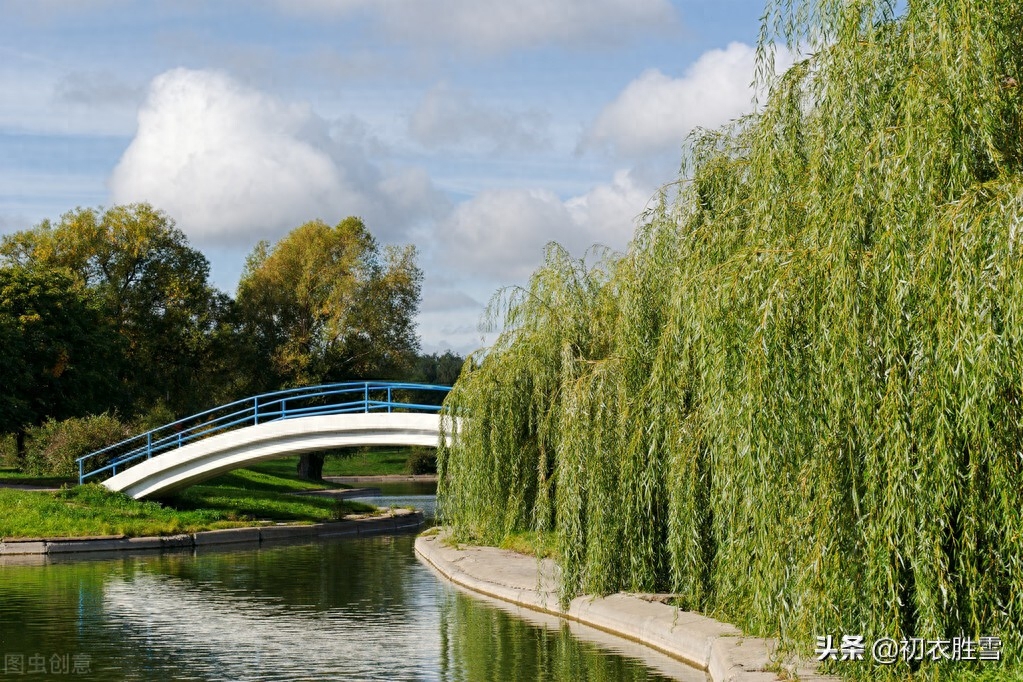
[719, 648]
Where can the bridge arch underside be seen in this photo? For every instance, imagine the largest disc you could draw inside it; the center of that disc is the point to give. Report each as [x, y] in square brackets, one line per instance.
[210, 457]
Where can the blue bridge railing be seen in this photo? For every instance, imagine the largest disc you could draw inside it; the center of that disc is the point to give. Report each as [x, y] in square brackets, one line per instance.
[327, 399]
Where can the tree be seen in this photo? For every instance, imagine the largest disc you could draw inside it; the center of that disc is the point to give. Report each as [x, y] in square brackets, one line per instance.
[797, 401]
[323, 304]
[57, 349]
[152, 286]
[437, 369]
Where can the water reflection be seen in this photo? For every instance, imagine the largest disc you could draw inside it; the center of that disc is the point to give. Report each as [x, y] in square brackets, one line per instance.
[359, 609]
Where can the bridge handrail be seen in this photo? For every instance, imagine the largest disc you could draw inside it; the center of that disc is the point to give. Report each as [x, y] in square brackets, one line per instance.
[258, 409]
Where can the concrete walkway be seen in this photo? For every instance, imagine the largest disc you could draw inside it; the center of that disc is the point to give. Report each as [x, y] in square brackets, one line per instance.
[703, 642]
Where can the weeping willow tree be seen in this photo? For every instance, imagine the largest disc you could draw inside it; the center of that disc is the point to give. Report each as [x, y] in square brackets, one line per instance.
[795, 401]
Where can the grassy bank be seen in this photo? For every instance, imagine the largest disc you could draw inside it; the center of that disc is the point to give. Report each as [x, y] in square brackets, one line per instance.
[240, 498]
[382, 461]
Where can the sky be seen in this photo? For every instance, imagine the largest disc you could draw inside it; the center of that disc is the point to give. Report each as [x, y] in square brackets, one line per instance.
[478, 130]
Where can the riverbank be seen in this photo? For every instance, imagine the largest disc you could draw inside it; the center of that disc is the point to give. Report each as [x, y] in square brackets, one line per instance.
[719, 648]
[383, 478]
[242, 498]
[393, 521]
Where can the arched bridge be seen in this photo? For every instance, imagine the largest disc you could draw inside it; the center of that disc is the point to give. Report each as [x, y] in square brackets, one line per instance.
[268, 426]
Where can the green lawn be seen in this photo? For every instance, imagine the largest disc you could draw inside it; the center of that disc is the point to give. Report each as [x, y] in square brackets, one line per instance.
[240, 498]
[383, 461]
[261, 493]
[369, 462]
[12, 475]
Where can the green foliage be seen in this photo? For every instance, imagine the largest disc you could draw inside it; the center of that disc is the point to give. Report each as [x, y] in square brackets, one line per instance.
[437, 369]
[421, 461]
[150, 285]
[796, 400]
[56, 346]
[8, 451]
[52, 448]
[322, 304]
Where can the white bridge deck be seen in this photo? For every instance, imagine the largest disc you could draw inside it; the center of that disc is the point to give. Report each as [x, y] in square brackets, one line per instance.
[210, 457]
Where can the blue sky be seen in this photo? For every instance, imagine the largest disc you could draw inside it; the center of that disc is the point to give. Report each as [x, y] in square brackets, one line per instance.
[478, 130]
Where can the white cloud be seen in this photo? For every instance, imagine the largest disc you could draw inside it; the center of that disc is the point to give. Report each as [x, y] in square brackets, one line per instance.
[656, 112]
[449, 117]
[233, 164]
[491, 25]
[499, 235]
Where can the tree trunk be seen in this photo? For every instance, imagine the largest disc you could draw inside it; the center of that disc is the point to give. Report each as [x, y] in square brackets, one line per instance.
[310, 466]
[19, 454]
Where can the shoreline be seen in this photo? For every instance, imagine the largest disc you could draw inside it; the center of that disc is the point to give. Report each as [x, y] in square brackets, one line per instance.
[397, 520]
[383, 478]
[718, 648]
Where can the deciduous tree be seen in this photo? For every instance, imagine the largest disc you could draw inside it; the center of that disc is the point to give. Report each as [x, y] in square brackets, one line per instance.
[152, 286]
[324, 304]
[57, 349]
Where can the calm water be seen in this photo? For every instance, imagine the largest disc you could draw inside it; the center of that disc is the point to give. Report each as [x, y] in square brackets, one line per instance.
[351, 609]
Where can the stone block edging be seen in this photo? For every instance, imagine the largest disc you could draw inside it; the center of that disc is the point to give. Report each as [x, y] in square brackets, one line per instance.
[400, 520]
[708, 644]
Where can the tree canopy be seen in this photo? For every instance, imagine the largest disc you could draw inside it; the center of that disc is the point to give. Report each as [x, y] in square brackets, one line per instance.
[323, 304]
[151, 285]
[56, 348]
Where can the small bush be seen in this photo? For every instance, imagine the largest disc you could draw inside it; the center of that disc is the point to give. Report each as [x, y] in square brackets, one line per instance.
[8, 451]
[422, 461]
[51, 449]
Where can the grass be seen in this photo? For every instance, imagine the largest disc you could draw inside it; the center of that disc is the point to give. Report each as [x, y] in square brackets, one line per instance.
[91, 510]
[12, 475]
[369, 462]
[532, 543]
[260, 495]
[241, 498]
[382, 461]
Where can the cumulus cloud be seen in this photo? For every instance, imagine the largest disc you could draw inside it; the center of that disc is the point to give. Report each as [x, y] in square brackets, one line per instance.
[449, 117]
[490, 25]
[500, 234]
[656, 111]
[232, 164]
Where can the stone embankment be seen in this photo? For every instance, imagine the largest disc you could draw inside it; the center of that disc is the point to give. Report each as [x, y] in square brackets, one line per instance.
[719, 648]
[396, 521]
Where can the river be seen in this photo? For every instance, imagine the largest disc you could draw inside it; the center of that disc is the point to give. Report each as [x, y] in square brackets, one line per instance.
[344, 609]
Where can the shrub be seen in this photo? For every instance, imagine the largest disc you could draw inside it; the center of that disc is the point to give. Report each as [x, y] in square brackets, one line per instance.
[422, 461]
[51, 449]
